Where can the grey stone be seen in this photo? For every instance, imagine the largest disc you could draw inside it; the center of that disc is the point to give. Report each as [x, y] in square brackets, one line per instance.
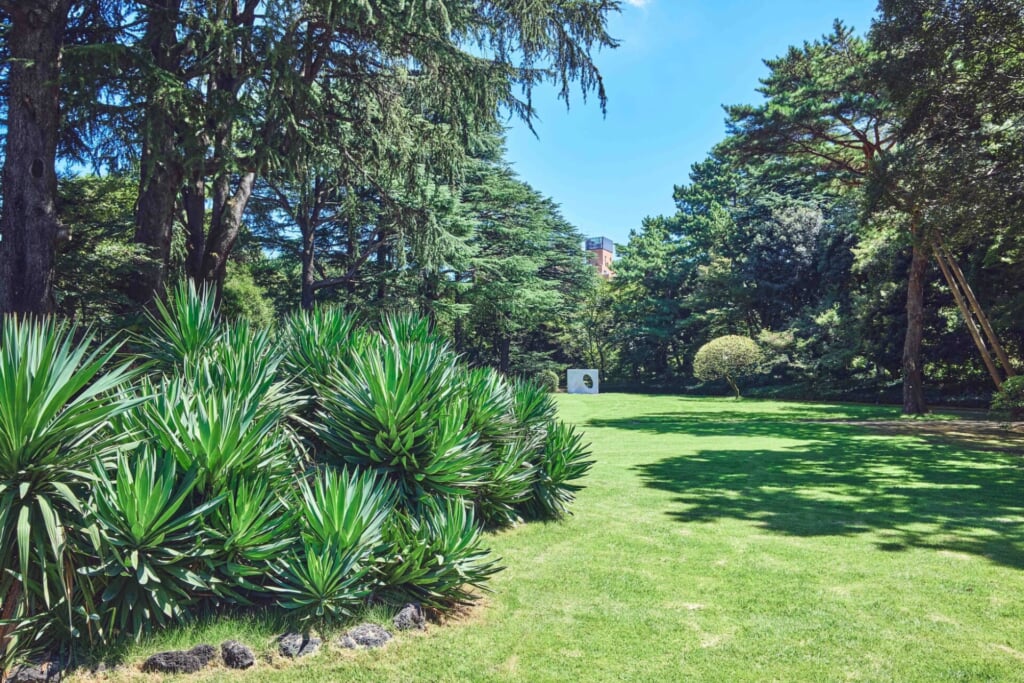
[204, 653]
[236, 655]
[410, 617]
[365, 636]
[34, 673]
[174, 662]
[297, 645]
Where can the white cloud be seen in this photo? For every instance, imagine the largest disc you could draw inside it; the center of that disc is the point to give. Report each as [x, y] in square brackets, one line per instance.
[638, 3]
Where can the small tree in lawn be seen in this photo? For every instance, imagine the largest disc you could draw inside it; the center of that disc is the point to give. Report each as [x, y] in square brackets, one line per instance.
[729, 358]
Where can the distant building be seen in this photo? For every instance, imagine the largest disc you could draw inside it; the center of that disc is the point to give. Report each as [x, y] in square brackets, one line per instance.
[600, 252]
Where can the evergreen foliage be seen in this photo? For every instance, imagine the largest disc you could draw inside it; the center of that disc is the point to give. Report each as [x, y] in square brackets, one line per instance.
[135, 499]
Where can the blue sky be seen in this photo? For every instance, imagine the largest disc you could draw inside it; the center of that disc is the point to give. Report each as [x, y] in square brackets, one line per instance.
[679, 62]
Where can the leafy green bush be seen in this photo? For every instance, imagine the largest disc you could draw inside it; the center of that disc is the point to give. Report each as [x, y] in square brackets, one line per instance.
[728, 358]
[1010, 398]
[183, 329]
[547, 379]
[557, 455]
[317, 343]
[131, 501]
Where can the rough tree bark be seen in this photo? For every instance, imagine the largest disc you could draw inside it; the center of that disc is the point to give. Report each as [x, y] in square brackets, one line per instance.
[30, 230]
[913, 377]
[161, 170]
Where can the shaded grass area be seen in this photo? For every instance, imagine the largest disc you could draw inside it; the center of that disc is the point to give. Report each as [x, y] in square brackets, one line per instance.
[736, 541]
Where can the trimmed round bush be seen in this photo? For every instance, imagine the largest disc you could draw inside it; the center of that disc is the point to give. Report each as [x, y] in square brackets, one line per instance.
[728, 358]
[548, 379]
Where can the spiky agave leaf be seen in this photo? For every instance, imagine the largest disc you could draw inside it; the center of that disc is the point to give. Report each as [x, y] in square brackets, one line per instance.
[325, 583]
[249, 532]
[342, 516]
[405, 327]
[346, 508]
[534, 409]
[394, 409]
[437, 558]
[57, 404]
[560, 463]
[508, 484]
[151, 541]
[219, 430]
[317, 343]
[489, 400]
[184, 329]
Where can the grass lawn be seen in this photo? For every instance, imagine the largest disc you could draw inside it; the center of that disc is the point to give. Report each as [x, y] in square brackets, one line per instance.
[735, 541]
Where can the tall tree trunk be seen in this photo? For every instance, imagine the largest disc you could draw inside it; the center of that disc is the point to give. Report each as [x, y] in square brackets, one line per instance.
[30, 230]
[504, 353]
[913, 377]
[225, 224]
[308, 276]
[161, 170]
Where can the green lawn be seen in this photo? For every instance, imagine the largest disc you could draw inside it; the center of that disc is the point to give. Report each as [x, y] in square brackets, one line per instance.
[730, 541]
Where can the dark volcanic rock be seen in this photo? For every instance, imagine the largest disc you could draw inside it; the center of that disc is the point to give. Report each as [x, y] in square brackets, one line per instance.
[34, 673]
[47, 669]
[365, 635]
[204, 653]
[297, 645]
[174, 662]
[236, 655]
[411, 617]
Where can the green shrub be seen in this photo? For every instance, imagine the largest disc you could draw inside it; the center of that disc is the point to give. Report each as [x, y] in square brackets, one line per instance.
[547, 379]
[394, 409]
[560, 461]
[729, 358]
[57, 402]
[436, 556]
[183, 329]
[342, 516]
[1010, 398]
[557, 455]
[244, 299]
[130, 502]
[317, 343]
[151, 541]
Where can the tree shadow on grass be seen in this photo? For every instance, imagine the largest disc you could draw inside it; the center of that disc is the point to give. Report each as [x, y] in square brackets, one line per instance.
[835, 479]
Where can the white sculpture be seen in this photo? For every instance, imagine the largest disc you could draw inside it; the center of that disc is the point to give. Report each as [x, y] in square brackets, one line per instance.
[582, 382]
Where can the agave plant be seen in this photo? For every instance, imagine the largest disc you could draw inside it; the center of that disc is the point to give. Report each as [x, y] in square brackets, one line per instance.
[345, 508]
[184, 329]
[249, 532]
[221, 431]
[151, 539]
[326, 583]
[436, 558]
[405, 328]
[342, 516]
[394, 410]
[508, 484]
[489, 402]
[317, 343]
[56, 407]
[560, 462]
[534, 410]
